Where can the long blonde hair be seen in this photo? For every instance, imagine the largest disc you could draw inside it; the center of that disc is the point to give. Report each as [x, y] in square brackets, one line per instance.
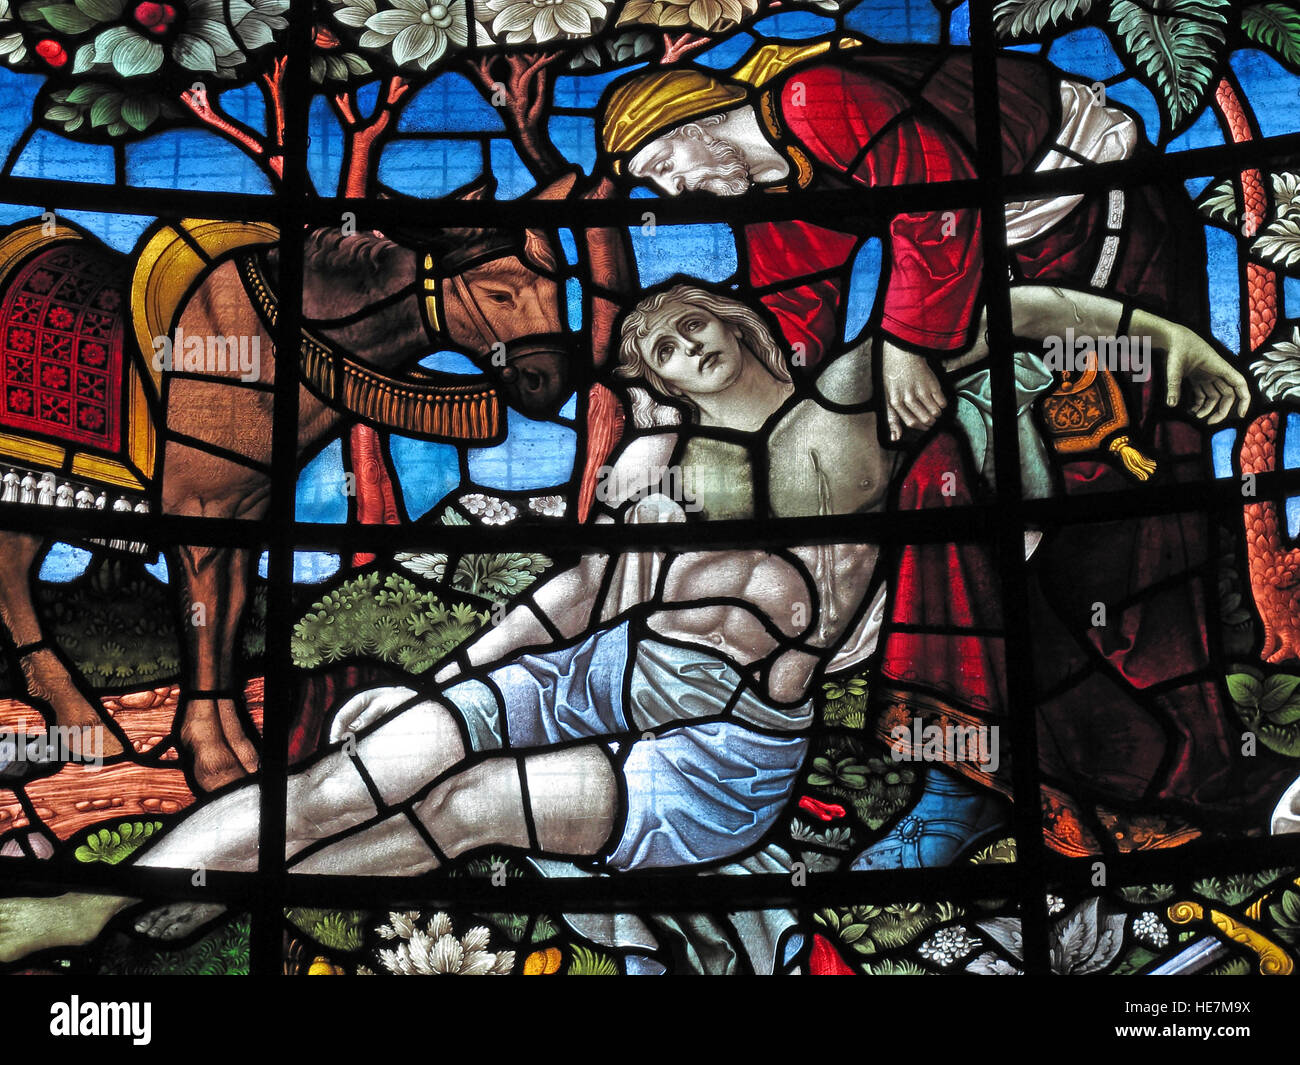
[754, 334]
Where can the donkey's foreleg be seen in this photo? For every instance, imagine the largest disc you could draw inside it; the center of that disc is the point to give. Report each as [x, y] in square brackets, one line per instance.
[230, 707]
[49, 680]
[211, 605]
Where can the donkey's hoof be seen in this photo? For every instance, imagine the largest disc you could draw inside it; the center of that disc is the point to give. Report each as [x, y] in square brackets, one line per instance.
[213, 769]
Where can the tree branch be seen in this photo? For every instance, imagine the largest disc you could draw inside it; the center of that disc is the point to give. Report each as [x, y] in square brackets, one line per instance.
[675, 48]
[364, 135]
[234, 131]
[273, 90]
[526, 87]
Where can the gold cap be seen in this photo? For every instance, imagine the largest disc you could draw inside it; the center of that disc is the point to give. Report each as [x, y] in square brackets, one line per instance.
[651, 104]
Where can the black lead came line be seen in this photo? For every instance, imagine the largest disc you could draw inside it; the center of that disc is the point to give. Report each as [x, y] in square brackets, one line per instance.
[271, 889]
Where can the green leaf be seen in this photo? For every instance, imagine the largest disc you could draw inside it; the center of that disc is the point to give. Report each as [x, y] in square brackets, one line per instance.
[101, 10]
[84, 59]
[1244, 689]
[130, 54]
[108, 108]
[356, 64]
[852, 933]
[1176, 46]
[590, 963]
[1016, 18]
[1276, 28]
[1277, 691]
[66, 18]
[1286, 714]
[139, 112]
[194, 53]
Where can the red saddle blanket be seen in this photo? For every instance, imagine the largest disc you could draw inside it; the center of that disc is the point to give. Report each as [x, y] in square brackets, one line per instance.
[61, 356]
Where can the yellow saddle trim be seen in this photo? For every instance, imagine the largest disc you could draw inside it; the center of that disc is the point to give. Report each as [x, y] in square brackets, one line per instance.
[170, 263]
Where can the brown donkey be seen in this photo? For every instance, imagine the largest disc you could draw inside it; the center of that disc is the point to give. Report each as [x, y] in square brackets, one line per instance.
[371, 307]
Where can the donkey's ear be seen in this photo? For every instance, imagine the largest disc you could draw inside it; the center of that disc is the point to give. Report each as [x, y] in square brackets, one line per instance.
[483, 187]
[540, 251]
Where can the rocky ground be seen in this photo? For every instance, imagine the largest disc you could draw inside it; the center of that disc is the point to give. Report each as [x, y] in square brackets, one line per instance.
[81, 795]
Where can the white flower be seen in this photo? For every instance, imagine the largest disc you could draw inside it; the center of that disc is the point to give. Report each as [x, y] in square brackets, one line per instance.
[402, 926]
[432, 565]
[1055, 904]
[543, 20]
[1149, 928]
[548, 506]
[417, 31]
[489, 509]
[989, 964]
[436, 950]
[948, 945]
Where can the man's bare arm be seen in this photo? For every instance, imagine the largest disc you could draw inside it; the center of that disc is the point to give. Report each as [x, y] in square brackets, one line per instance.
[1212, 385]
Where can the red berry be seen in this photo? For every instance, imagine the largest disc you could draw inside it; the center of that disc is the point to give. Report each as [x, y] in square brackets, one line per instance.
[52, 52]
[168, 14]
[149, 14]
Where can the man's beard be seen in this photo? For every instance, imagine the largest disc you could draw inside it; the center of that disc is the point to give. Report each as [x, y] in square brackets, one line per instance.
[730, 178]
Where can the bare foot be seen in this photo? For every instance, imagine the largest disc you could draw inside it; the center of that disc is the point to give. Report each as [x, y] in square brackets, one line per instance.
[177, 920]
[28, 925]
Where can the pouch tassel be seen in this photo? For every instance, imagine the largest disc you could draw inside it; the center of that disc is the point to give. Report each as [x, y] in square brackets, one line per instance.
[1134, 461]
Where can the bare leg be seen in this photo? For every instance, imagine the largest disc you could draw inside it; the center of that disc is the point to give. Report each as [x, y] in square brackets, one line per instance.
[572, 795]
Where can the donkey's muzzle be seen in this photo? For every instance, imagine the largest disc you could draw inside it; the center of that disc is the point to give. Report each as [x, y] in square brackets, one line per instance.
[536, 376]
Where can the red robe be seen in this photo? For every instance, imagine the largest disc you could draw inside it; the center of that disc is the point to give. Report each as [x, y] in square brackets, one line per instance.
[1132, 713]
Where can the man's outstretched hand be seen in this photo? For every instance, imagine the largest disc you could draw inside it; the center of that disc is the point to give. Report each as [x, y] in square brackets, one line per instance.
[913, 395]
[1214, 387]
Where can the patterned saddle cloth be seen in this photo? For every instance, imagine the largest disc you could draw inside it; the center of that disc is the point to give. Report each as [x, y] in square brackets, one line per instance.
[76, 421]
[61, 346]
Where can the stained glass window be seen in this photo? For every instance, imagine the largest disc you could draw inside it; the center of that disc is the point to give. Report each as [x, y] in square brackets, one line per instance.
[649, 487]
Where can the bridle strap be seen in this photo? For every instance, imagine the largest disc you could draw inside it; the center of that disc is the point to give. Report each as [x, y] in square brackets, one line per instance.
[430, 296]
[433, 303]
[484, 327]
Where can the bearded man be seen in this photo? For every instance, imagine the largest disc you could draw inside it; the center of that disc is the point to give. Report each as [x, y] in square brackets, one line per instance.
[1130, 711]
